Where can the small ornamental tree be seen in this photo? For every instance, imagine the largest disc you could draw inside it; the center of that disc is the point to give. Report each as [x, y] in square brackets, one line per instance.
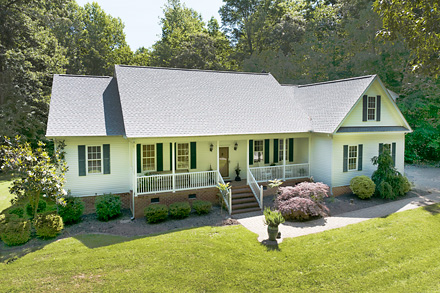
[38, 173]
[396, 184]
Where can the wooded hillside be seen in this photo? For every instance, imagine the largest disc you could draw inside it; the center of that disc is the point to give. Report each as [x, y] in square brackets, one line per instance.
[298, 41]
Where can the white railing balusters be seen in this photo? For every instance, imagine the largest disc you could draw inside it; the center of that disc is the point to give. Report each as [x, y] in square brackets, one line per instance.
[256, 190]
[293, 171]
[227, 196]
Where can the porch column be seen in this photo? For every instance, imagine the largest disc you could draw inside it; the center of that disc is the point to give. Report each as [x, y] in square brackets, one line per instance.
[173, 165]
[308, 155]
[247, 162]
[284, 159]
[133, 166]
[218, 157]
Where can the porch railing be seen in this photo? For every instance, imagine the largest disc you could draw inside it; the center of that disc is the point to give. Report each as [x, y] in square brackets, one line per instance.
[293, 171]
[256, 189]
[226, 194]
[182, 181]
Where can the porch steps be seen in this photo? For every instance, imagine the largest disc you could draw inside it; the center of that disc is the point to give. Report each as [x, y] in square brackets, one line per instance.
[243, 200]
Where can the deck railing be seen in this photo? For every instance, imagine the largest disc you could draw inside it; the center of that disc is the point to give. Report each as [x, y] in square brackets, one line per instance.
[182, 181]
[256, 189]
[226, 194]
[263, 174]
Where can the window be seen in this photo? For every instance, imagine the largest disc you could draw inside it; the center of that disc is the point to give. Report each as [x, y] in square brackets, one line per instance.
[281, 150]
[258, 151]
[387, 147]
[371, 108]
[94, 161]
[352, 157]
[148, 157]
[182, 156]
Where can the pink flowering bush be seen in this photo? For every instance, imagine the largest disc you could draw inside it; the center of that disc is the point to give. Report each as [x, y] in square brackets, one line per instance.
[303, 201]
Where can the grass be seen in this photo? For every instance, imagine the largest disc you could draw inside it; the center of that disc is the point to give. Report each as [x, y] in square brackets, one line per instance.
[5, 196]
[397, 253]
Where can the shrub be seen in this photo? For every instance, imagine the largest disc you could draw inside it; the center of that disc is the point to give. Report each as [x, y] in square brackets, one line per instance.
[17, 211]
[72, 211]
[14, 231]
[48, 225]
[202, 207]
[155, 213]
[386, 172]
[362, 186]
[107, 206]
[302, 201]
[272, 218]
[180, 210]
[41, 208]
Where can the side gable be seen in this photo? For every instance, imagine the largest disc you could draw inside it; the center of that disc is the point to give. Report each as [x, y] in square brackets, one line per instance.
[390, 115]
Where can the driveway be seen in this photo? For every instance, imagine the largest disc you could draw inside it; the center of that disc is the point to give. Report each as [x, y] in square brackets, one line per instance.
[423, 177]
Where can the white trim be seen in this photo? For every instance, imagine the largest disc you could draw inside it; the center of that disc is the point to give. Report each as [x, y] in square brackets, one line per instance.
[87, 159]
[188, 155]
[357, 158]
[154, 157]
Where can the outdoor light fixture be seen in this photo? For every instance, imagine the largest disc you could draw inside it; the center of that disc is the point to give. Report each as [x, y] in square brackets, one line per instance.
[211, 147]
[235, 146]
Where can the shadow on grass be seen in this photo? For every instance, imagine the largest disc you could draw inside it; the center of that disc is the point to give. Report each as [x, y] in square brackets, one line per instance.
[433, 209]
[270, 245]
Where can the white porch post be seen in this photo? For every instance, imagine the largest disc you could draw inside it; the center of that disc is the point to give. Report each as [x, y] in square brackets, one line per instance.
[218, 157]
[247, 162]
[133, 156]
[284, 159]
[308, 155]
[173, 165]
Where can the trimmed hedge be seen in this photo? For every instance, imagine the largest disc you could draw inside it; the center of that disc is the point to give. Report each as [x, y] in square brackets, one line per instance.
[48, 225]
[202, 207]
[362, 186]
[41, 208]
[72, 211]
[107, 206]
[155, 213]
[13, 230]
[180, 210]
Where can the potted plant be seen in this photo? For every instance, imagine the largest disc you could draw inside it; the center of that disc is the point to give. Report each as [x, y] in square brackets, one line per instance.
[237, 172]
[272, 219]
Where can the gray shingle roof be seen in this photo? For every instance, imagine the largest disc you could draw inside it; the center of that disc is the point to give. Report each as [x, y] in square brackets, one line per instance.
[161, 102]
[372, 129]
[328, 103]
[84, 106]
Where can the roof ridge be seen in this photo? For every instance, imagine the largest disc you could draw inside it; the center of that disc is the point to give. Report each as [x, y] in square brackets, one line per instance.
[79, 75]
[194, 69]
[329, 81]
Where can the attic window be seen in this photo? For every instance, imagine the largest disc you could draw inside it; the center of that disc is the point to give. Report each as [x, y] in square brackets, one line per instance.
[371, 110]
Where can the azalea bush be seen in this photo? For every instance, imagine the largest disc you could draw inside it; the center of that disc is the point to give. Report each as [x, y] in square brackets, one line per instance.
[108, 206]
[13, 230]
[202, 206]
[72, 211]
[155, 213]
[303, 201]
[362, 186]
[180, 210]
[48, 225]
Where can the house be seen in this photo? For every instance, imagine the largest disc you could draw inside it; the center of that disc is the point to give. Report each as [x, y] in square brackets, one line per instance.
[165, 135]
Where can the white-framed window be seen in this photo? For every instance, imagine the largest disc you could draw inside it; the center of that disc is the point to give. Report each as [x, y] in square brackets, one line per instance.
[182, 156]
[371, 108]
[387, 147]
[352, 157]
[94, 159]
[148, 157]
[258, 151]
[281, 149]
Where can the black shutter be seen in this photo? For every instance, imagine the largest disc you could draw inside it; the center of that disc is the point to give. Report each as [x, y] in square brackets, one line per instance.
[275, 150]
[291, 149]
[380, 149]
[266, 151]
[345, 167]
[360, 150]
[106, 156]
[193, 155]
[159, 157]
[251, 152]
[138, 159]
[82, 160]
[393, 153]
[378, 104]
[364, 110]
[171, 156]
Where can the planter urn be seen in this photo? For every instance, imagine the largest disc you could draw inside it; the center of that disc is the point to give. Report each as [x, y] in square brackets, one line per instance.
[272, 232]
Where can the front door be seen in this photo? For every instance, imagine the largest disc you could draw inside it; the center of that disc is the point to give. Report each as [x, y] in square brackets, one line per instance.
[224, 161]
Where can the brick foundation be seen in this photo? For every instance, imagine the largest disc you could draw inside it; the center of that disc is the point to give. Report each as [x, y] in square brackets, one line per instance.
[142, 201]
[90, 202]
[340, 190]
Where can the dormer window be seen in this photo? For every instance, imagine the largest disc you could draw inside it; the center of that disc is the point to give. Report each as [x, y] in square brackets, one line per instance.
[371, 108]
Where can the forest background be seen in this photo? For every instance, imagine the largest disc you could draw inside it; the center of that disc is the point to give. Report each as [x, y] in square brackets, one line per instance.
[298, 42]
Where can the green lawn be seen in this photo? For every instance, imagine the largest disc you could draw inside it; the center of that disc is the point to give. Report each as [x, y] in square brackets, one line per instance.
[5, 196]
[397, 253]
